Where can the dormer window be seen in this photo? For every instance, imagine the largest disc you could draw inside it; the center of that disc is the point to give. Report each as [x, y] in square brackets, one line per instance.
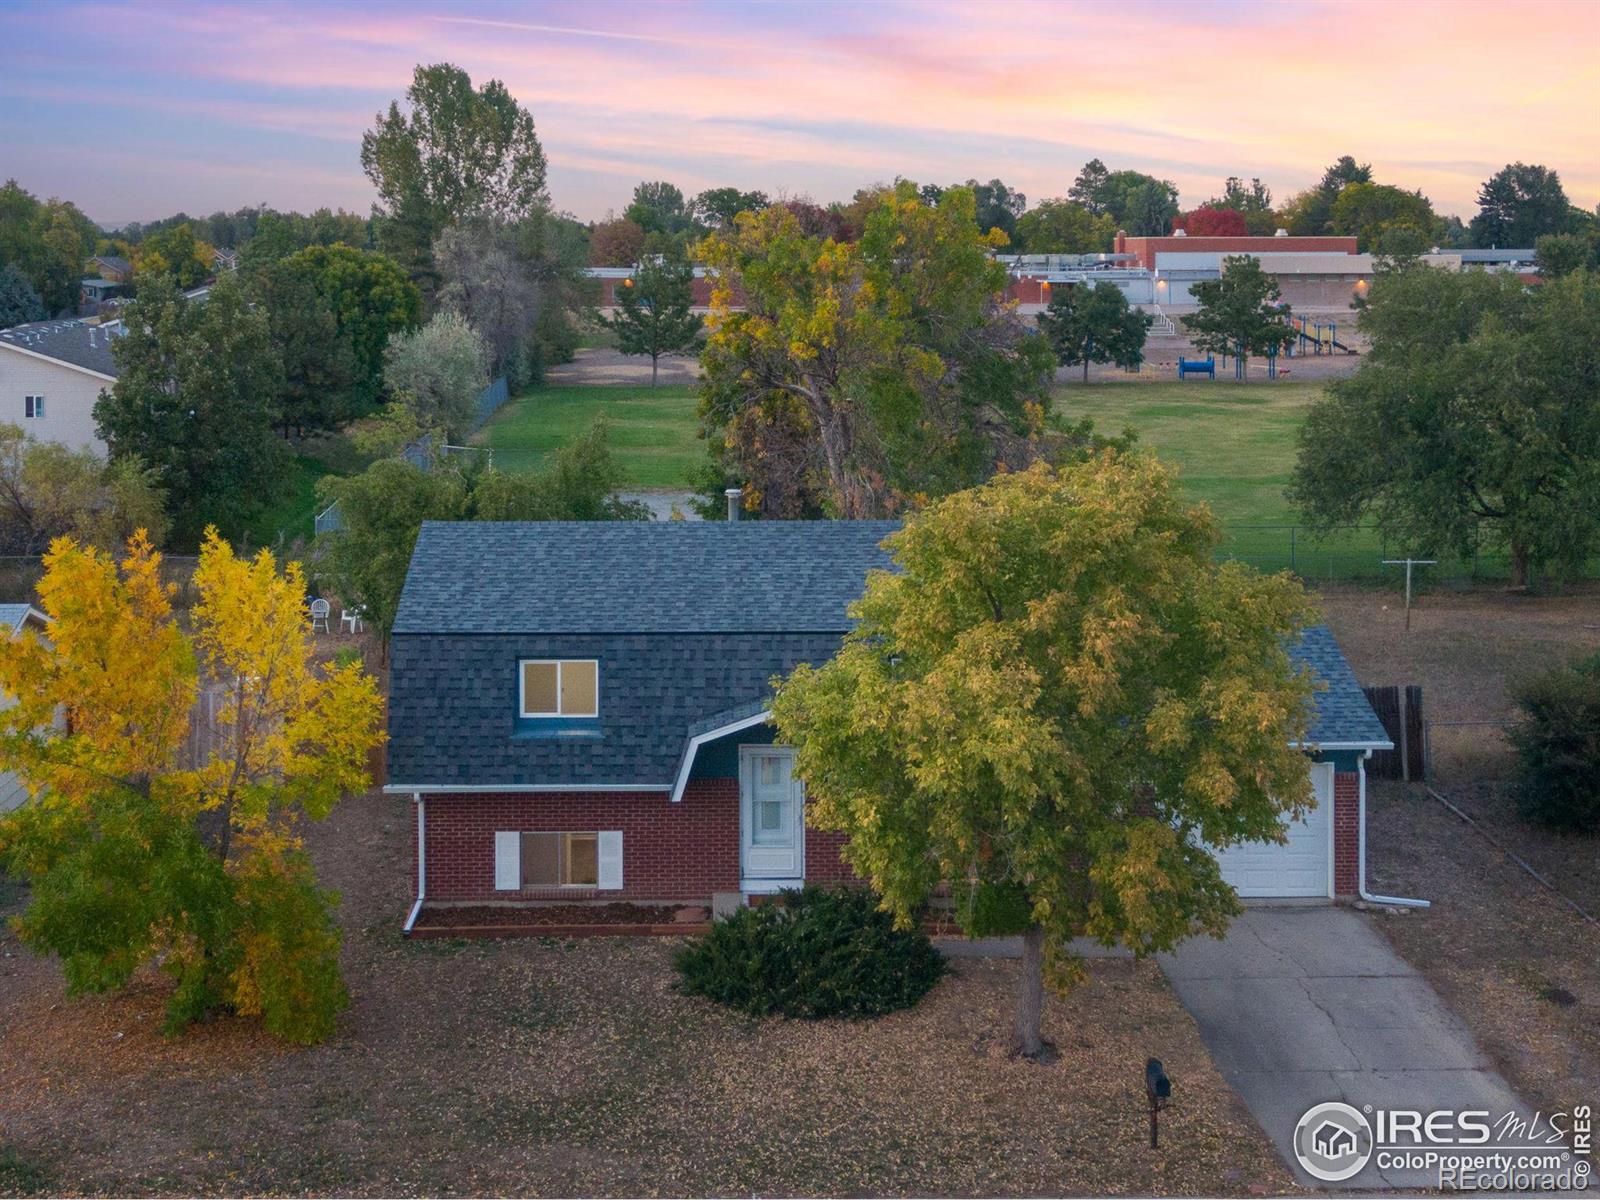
[557, 688]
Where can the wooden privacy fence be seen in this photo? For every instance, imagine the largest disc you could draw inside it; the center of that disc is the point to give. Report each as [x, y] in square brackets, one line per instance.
[1400, 710]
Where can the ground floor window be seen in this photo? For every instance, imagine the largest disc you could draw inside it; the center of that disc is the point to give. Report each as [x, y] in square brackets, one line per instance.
[560, 859]
[578, 859]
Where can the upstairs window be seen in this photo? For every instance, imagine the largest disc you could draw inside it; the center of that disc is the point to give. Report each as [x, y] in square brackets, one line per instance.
[32, 407]
[560, 688]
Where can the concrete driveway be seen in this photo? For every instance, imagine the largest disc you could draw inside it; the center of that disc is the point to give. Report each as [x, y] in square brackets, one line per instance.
[1303, 1005]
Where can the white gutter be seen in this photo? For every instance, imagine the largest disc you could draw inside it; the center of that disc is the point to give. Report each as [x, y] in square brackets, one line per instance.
[491, 789]
[711, 735]
[1361, 884]
[422, 862]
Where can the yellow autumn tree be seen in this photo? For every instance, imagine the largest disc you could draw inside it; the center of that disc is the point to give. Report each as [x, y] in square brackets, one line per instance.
[170, 772]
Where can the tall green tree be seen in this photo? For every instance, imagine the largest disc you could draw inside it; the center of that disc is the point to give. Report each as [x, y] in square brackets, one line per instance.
[1058, 705]
[1370, 211]
[453, 153]
[659, 207]
[195, 400]
[850, 377]
[1239, 312]
[1558, 254]
[1472, 424]
[176, 253]
[48, 241]
[1086, 325]
[1310, 213]
[320, 382]
[1090, 188]
[717, 207]
[19, 303]
[1064, 227]
[997, 206]
[654, 314]
[370, 299]
[1519, 204]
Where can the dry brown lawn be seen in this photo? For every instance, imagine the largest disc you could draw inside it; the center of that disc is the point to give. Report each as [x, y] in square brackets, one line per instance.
[1510, 958]
[550, 1068]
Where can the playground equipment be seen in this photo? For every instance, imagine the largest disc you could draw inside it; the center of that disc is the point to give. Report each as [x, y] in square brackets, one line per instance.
[1315, 337]
[1195, 366]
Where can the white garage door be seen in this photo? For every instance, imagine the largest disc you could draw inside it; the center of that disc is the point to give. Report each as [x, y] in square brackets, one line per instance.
[1300, 867]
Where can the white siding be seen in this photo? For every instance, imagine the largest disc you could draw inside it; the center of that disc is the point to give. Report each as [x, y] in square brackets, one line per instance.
[69, 397]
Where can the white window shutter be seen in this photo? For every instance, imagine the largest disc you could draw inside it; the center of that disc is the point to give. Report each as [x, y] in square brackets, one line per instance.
[609, 851]
[508, 862]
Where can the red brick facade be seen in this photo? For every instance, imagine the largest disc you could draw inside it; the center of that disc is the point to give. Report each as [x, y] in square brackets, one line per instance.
[683, 851]
[1346, 833]
[688, 850]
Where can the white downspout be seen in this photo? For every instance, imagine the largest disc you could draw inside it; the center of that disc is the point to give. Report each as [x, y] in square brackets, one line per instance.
[1361, 886]
[422, 861]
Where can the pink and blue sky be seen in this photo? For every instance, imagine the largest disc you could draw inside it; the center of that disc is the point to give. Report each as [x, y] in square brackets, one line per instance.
[137, 110]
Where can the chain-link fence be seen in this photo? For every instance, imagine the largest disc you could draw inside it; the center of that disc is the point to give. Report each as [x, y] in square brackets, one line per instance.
[1351, 552]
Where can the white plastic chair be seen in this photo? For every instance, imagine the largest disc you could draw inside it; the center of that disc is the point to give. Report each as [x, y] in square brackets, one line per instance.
[319, 612]
[350, 617]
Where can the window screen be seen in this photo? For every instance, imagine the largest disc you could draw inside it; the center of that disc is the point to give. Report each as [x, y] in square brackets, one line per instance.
[561, 688]
[560, 860]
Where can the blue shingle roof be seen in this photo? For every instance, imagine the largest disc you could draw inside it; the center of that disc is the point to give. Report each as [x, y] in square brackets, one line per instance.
[12, 616]
[638, 576]
[1343, 716]
[690, 621]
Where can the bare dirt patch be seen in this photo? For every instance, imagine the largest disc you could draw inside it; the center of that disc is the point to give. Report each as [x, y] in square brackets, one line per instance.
[543, 1067]
[1518, 965]
[1521, 968]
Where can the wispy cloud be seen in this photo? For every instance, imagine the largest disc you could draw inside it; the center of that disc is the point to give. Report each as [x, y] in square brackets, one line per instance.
[217, 104]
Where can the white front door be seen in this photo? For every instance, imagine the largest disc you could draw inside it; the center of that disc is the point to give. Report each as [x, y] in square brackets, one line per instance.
[771, 815]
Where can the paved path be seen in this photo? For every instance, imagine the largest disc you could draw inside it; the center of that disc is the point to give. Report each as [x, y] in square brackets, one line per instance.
[1304, 1005]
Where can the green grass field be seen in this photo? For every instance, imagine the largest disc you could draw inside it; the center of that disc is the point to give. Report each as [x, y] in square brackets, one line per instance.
[654, 431]
[1234, 445]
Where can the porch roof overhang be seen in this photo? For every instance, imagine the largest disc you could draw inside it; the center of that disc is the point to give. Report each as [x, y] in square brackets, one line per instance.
[709, 729]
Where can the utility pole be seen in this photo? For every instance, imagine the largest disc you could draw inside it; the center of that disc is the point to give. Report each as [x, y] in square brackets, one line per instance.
[1409, 563]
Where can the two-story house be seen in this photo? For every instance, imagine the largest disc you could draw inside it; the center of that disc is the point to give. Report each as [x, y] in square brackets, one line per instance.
[51, 374]
[580, 711]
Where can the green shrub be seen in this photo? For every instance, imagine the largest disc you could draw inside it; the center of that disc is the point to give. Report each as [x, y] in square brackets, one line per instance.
[816, 953]
[1557, 741]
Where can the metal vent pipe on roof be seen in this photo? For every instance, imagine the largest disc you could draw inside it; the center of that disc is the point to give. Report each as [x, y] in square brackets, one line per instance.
[734, 495]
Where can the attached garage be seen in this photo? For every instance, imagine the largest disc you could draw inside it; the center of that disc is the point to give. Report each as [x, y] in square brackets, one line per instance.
[1302, 866]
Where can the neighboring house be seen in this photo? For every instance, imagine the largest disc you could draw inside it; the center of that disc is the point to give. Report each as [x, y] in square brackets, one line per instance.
[14, 619]
[51, 374]
[112, 268]
[225, 260]
[580, 710]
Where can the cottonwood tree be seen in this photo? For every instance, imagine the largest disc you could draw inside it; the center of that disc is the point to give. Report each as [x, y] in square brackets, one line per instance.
[1086, 325]
[136, 854]
[1064, 227]
[1239, 312]
[454, 153]
[1371, 210]
[1472, 423]
[717, 207]
[654, 314]
[1058, 703]
[848, 377]
[489, 279]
